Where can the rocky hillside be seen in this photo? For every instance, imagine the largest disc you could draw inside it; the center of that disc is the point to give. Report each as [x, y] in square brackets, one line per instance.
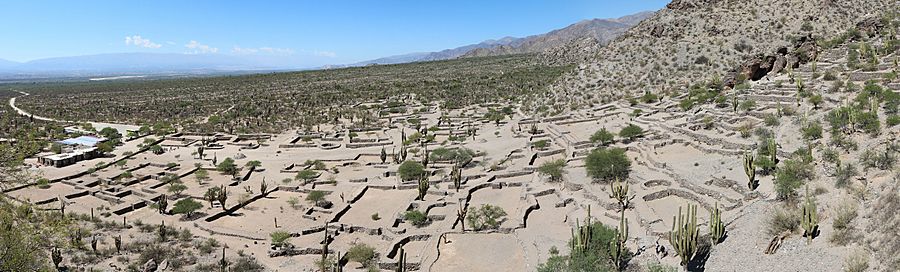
[691, 41]
[601, 31]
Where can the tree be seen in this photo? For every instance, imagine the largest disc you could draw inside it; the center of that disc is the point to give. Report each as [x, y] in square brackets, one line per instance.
[315, 196]
[307, 175]
[411, 170]
[56, 148]
[176, 187]
[603, 137]
[607, 164]
[104, 148]
[631, 132]
[554, 169]
[156, 149]
[201, 175]
[486, 217]
[186, 206]
[110, 133]
[227, 167]
[253, 163]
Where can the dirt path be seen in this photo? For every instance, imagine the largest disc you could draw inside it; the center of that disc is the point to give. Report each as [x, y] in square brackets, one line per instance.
[122, 128]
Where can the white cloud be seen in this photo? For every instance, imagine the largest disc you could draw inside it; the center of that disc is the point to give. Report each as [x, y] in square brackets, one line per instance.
[262, 50]
[136, 40]
[198, 48]
[327, 54]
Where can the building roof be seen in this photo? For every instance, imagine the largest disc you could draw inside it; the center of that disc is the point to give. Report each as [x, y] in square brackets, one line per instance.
[62, 156]
[83, 140]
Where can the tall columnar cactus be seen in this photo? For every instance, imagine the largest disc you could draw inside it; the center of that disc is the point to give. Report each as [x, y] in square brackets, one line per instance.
[734, 103]
[716, 227]
[810, 220]
[750, 170]
[684, 235]
[401, 261]
[773, 150]
[617, 247]
[423, 187]
[581, 235]
[263, 186]
[619, 192]
[456, 176]
[118, 242]
[325, 248]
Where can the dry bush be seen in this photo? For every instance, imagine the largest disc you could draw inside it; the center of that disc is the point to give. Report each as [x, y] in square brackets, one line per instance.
[885, 227]
[785, 219]
[857, 262]
[844, 232]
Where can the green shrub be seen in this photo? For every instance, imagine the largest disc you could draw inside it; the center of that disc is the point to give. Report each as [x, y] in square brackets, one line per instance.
[186, 206]
[416, 218]
[607, 164]
[790, 176]
[280, 238]
[771, 120]
[410, 170]
[555, 169]
[812, 131]
[486, 217]
[603, 137]
[631, 132]
[361, 253]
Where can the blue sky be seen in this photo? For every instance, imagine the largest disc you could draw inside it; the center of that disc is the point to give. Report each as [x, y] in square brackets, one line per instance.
[322, 31]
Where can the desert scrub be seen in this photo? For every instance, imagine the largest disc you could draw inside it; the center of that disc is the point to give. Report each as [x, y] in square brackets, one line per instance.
[790, 176]
[486, 217]
[783, 220]
[608, 164]
[362, 254]
[844, 232]
[280, 238]
[857, 262]
[416, 218]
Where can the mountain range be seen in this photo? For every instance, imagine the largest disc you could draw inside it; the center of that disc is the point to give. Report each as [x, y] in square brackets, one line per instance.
[597, 31]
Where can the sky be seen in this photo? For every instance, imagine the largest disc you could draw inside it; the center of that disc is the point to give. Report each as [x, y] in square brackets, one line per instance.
[332, 32]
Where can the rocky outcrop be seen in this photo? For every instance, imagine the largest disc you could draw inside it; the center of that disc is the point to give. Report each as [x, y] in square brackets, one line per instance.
[755, 68]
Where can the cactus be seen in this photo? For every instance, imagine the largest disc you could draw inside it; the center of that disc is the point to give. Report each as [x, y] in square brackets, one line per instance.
[162, 204]
[94, 243]
[734, 103]
[810, 220]
[461, 217]
[620, 193]
[263, 186]
[118, 242]
[773, 150]
[456, 176]
[581, 241]
[325, 248]
[423, 188]
[383, 155]
[684, 235]
[617, 249]
[401, 262]
[222, 197]
[716, 227]
[162, 231]
[750, 170]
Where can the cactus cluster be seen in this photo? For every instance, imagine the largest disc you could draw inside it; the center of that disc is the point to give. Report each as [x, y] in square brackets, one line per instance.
[716, 227]
[617, 249]
[581, 241]
[684, 235]
[810, 220]
[750, 170]
[619, 192]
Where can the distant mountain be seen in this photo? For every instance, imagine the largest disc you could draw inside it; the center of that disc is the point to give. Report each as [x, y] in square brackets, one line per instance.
[148, 64]
[440, 55]
[7, 63]
[602, 30]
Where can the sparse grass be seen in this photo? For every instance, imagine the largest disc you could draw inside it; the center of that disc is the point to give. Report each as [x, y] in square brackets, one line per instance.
[784, 219]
